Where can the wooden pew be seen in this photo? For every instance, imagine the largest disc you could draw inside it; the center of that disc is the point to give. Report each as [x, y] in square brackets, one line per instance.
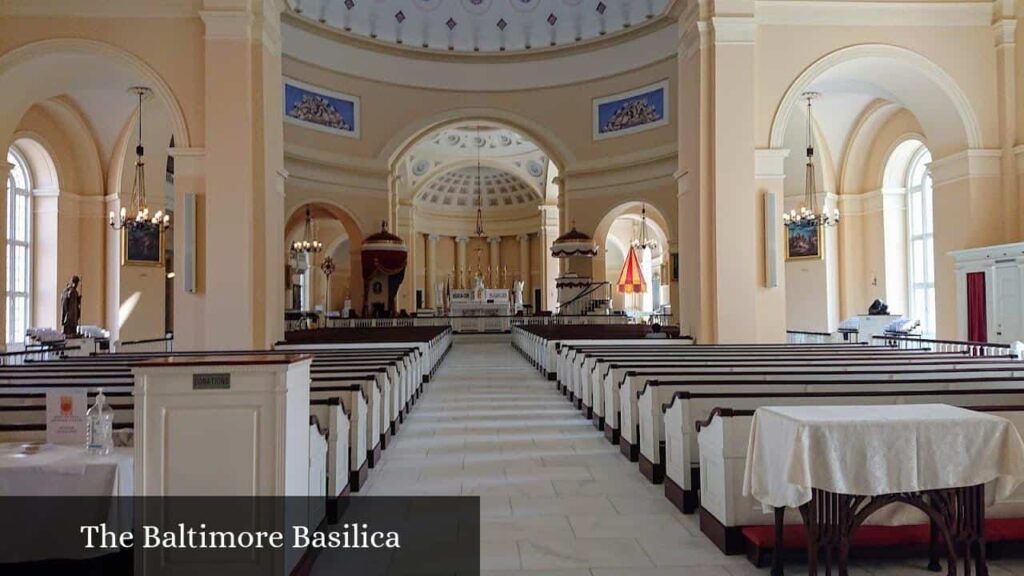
[620, 396]
[681, 453]
[601, 375]
[656, 393]
[737, 524]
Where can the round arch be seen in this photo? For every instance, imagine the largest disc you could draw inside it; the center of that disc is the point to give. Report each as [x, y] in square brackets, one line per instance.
[45, 169]
[485, 162]
[24, 85]
[545, 139]
[604, 225]
[353, 231]
[916, 82]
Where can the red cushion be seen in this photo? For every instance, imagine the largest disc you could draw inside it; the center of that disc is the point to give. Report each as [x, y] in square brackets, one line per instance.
[795, 536]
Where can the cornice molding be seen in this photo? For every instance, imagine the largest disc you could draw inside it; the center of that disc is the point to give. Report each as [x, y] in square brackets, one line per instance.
[733, 29]
[976, 163]
[228, 24]
[1004, 32]
[480, 72]
[615, 163]
[412, 51]
[99, 9]
[770, 162]
[915, 14]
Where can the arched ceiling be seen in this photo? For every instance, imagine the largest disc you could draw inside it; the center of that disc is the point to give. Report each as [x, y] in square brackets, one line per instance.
[466, 140]
[481, 25]
[457, 188]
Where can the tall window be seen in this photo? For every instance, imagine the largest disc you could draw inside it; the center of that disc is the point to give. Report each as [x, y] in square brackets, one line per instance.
[19, 248]
[921, 241]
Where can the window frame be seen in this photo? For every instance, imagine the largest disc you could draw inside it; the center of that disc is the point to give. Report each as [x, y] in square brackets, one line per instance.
[918, 181]
[12, 296]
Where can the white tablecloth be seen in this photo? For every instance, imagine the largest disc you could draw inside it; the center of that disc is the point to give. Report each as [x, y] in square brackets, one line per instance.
[875, 450]
[65, 471]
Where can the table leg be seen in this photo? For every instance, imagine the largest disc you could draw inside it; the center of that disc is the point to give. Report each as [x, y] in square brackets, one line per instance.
[933, 548]
[778, 549]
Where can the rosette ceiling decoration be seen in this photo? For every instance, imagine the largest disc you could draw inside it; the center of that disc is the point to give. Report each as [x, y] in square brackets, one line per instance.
[482, 25]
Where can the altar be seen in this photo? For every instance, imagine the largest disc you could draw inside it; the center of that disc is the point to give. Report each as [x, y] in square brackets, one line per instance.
[481, 310]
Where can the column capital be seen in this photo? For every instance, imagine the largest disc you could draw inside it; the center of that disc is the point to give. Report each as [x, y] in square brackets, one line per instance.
[522, 237]
[733, 29]
[770, 162]
[433, 237]
[1004, 32]
[462, 239]
[494, 239]
[228, 24]
[970, 163]
[1018, 151]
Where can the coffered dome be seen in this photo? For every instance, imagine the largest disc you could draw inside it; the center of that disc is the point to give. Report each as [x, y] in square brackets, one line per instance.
[457, 188]
[481, 25]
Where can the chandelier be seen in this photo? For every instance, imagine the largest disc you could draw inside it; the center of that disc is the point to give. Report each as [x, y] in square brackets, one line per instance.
[308, 244]
[136, 213]
[809, 215]
[479, 188]
[644, 241]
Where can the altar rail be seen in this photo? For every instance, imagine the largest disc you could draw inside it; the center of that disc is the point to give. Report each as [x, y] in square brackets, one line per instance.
[966, 347]
[502, 323]
[163, 344]
[809, 337]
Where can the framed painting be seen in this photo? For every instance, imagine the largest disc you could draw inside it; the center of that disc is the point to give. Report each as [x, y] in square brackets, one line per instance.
[629, 112]
[803, 242]
[321, 109]
[142, 246]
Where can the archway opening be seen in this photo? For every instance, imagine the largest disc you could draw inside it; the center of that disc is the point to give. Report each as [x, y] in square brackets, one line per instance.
[476, 191]
[309, 287]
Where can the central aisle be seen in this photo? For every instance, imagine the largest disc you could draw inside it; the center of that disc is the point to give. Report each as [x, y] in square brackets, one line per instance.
[556, 497]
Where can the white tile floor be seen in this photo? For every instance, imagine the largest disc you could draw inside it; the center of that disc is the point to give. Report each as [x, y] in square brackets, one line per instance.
[556, 498]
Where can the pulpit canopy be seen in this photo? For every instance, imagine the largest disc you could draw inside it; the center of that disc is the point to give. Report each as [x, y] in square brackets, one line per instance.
[574, 243]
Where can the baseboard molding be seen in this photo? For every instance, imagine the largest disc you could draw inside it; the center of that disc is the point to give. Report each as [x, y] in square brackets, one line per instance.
[358, 478]
[630, 451]
[612, 434]
[655, 473]
[729, 539]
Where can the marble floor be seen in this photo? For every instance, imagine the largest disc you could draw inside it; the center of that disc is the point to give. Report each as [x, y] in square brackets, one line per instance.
[557, 499]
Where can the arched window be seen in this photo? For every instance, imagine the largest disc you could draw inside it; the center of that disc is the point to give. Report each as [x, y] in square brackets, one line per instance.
[19, 248]
[921, 241]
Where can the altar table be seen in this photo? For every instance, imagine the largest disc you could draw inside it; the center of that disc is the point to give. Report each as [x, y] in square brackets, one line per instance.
[840, 464]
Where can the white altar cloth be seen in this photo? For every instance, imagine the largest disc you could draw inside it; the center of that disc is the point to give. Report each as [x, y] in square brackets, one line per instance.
[875, 450]
[65, 471]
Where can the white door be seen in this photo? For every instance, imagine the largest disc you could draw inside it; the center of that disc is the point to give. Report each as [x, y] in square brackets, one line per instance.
[1006, 326]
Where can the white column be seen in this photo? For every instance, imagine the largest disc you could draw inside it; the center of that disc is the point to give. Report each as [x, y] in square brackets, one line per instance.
[430, 274]
[494, 261]
[460, 261]
[524, 265]
[548, 234]
[1004, 31]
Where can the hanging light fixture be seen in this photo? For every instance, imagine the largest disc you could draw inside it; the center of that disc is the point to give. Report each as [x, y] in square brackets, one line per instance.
[644, 241]
[308, 244]
[809, 215]
[479, 187]
[136, 213]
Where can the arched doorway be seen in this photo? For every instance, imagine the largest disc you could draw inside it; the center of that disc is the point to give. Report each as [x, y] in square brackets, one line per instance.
[307, 285]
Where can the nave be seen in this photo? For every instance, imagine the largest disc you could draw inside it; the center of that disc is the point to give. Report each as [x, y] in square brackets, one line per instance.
[556, 497]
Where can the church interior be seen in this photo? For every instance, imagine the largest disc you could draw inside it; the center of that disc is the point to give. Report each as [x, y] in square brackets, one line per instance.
[655, 287]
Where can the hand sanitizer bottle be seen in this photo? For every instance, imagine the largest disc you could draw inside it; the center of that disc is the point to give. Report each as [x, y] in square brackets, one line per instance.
[99, 427]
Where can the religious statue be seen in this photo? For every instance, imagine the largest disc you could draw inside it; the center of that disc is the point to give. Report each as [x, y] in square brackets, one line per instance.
[479, 290]
[517, 287]
[71, 307]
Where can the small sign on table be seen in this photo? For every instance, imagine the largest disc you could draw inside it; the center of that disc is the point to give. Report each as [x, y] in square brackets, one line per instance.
[65, 417]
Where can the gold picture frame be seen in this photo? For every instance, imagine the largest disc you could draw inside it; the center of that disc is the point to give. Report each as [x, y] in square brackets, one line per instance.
[804, 242]
[142, 246]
